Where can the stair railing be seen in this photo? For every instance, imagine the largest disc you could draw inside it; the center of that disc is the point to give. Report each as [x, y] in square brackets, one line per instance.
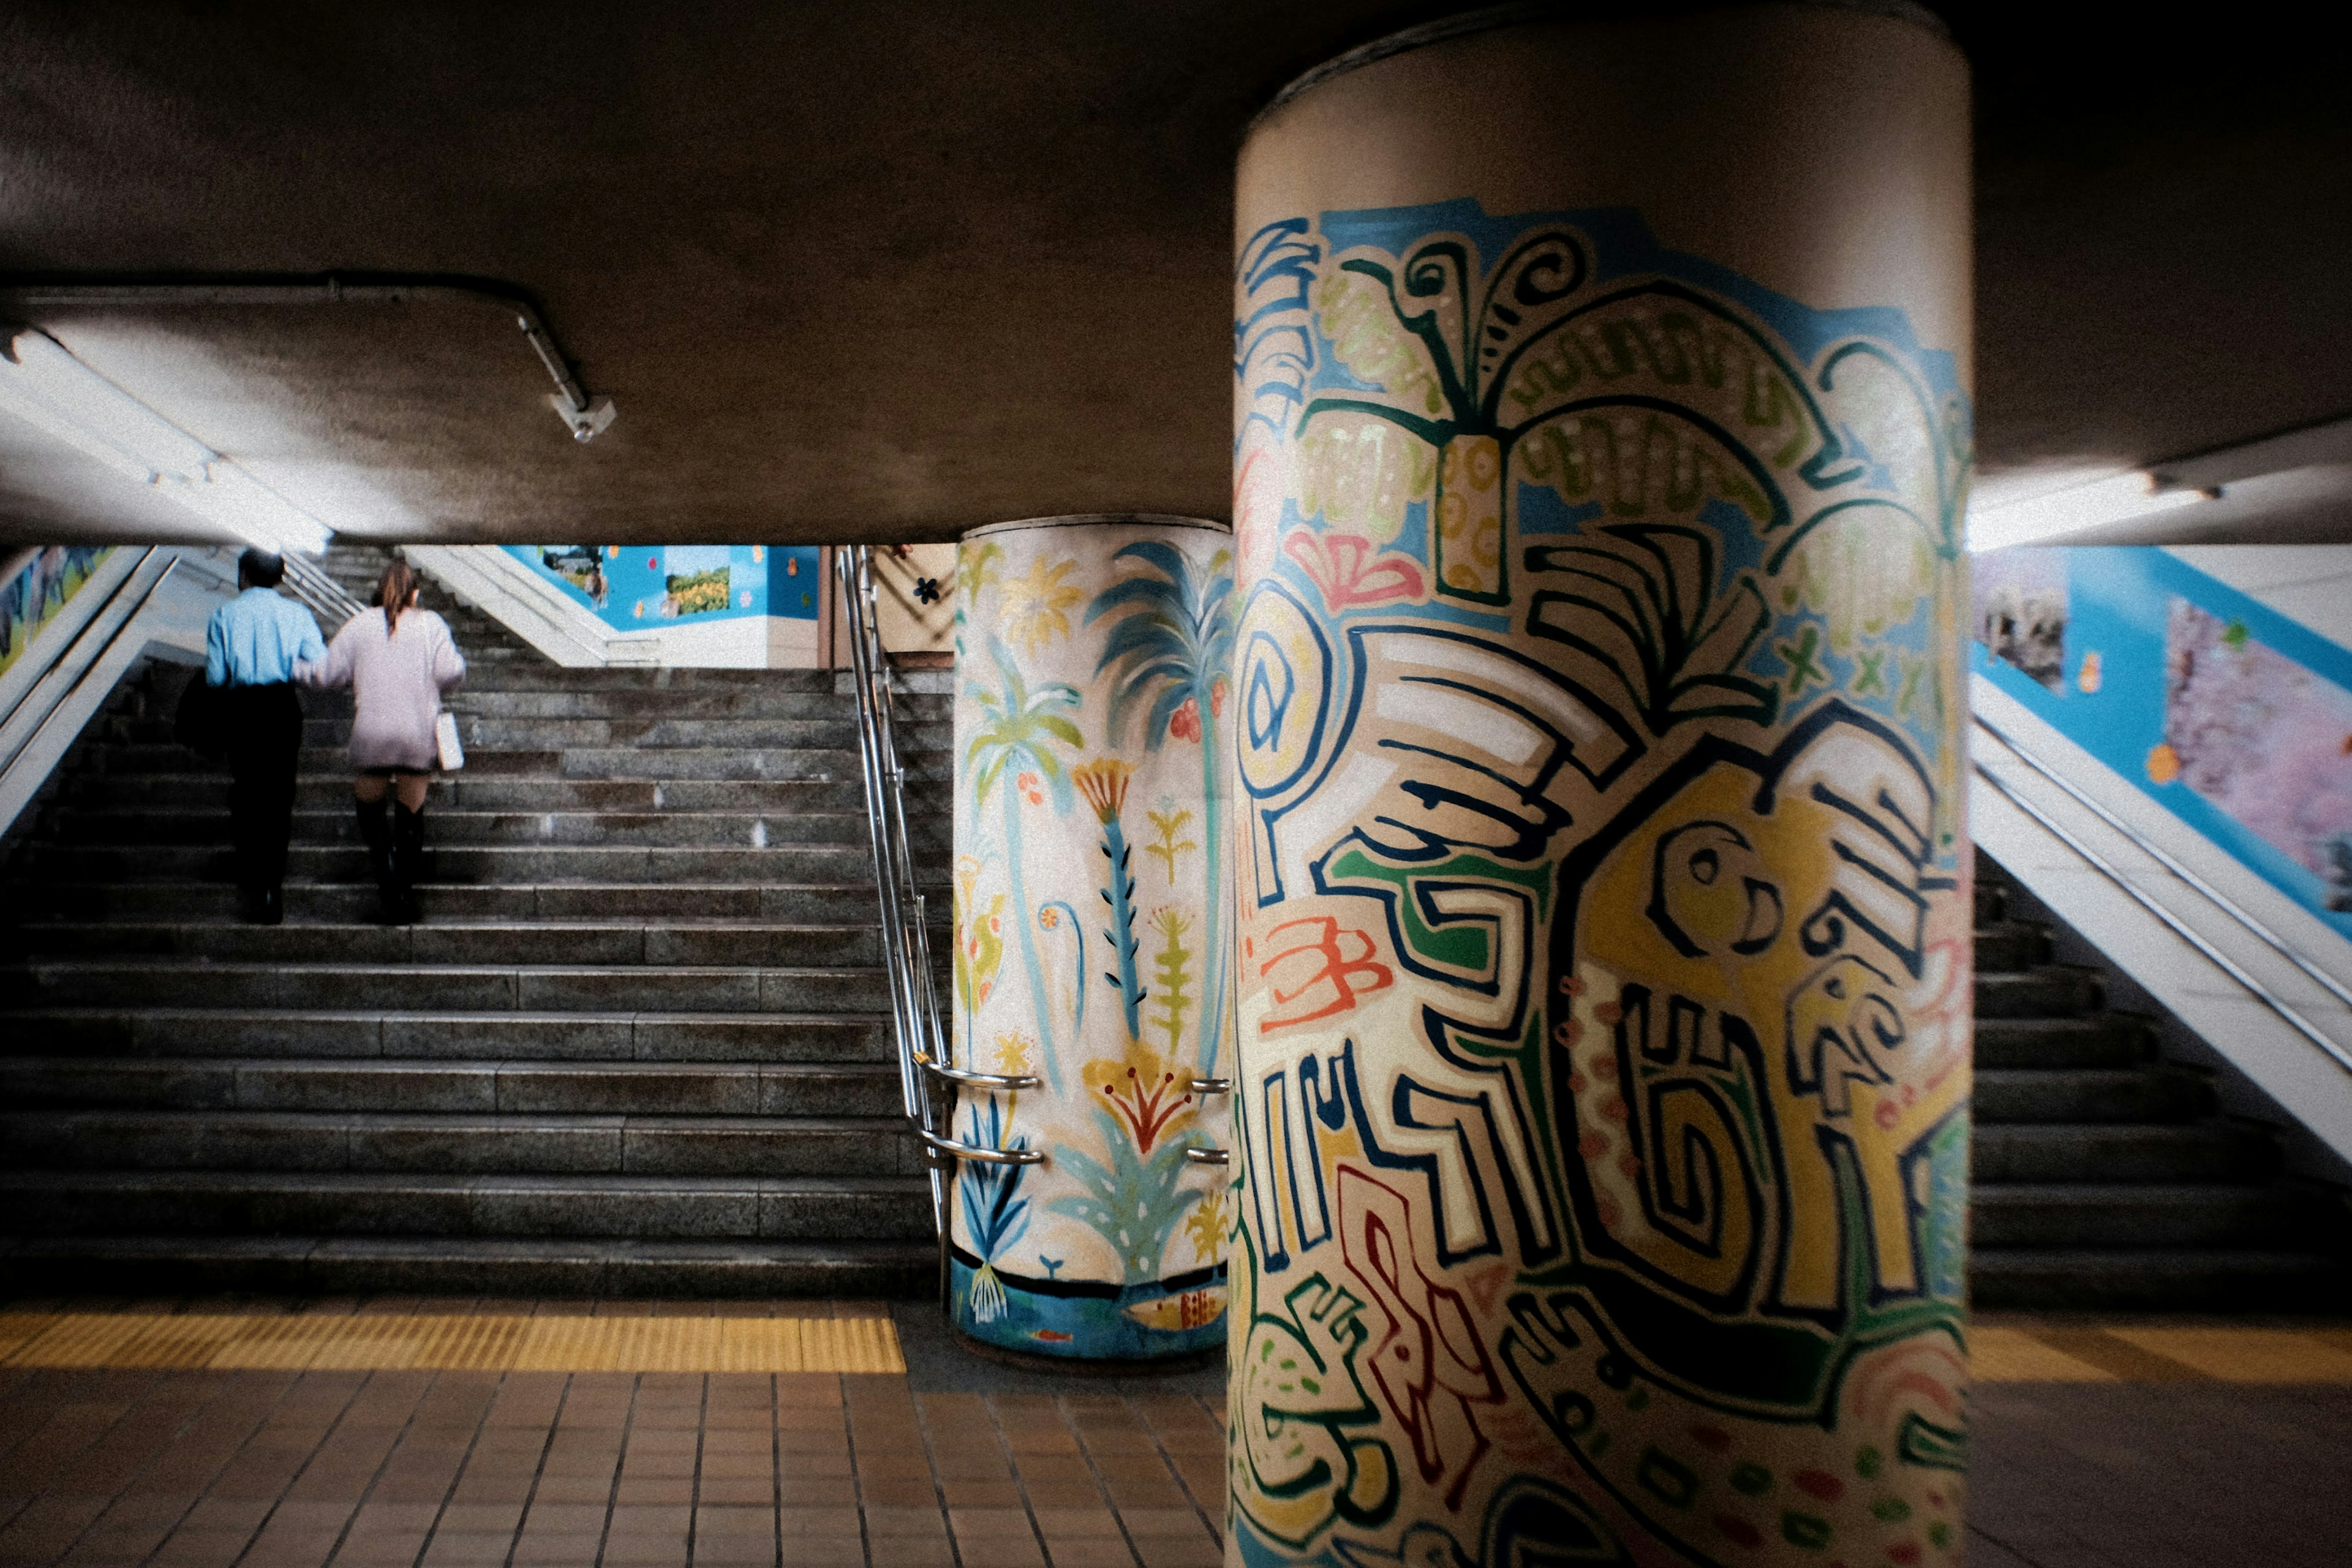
[2294, 1020]
[927, 1075]
[137, 598]
[320, 593]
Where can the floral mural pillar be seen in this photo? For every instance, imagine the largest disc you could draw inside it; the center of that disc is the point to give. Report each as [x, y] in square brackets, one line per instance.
[1602, 928]
[1093, 901]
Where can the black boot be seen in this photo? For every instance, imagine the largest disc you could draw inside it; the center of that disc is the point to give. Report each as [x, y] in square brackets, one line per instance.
[376, 833]
[407, 858]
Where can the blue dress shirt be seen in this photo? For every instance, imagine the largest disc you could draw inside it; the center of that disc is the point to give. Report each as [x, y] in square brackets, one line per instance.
[257, 637]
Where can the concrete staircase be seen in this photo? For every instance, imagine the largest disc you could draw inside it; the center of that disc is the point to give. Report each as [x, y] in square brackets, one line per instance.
[2103, 1177]
[639, 1045]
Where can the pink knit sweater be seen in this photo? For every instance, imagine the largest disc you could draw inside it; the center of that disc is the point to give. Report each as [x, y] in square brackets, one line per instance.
[396, 682]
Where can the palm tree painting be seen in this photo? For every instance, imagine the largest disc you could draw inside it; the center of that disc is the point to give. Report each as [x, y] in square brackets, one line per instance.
[1017, 731]
[1641, 397]
[1094, 670]
[1167, 654]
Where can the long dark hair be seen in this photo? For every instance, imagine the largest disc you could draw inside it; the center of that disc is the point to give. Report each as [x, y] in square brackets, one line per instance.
[393, 593]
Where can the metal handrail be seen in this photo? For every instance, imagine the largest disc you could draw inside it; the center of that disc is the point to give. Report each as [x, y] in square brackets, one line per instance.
[925, 1053]
[1209, 1156]
[75, 656]
[914, 1014]
[2162, 856]
[320, 593]
[987, 1080]
[1211, 1086]
[2228, 965]
[949, 1146]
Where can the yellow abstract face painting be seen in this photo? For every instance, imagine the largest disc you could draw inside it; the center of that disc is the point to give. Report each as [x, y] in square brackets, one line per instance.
[1602, 1012]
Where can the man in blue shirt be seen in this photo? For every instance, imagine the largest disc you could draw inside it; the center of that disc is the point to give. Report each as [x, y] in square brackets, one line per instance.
[251, 651]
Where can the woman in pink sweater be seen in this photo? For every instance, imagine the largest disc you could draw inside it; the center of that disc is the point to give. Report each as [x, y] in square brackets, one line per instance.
[398, 660]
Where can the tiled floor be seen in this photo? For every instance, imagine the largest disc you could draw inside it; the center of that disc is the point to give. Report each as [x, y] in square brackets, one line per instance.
[2099, 1445]
[204, 1468]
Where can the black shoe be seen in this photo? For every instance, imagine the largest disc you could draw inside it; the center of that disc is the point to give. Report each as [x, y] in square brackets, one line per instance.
[266, 907]
[376, 833]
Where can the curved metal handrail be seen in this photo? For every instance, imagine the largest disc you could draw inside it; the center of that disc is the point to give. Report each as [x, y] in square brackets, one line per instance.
[1209, 1156]
[2223, 960]
[920, 1033]
[986, 1156]
[987, 1080]
[1211, 1086]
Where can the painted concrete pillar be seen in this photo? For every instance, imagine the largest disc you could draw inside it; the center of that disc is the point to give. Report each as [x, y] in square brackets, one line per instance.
[1601, 439]
[1093, 907]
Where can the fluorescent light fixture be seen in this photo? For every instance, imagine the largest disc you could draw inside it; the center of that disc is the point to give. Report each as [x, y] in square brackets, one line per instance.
[49, 389]
[2057, 513]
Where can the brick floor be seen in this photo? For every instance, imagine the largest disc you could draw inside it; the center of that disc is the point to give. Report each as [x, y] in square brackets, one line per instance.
[205, 1469]
[967, 1465]
[459, 1468]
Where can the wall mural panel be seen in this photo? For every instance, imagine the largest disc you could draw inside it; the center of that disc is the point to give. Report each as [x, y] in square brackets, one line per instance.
[1604, 984]
[633, 586]
[31, 598]
[2232, 716]
[1092, 912]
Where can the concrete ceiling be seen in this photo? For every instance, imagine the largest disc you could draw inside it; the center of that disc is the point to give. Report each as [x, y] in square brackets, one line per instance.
[883, 271]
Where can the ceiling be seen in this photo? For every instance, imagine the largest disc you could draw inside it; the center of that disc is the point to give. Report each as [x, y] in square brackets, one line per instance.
[884, 271]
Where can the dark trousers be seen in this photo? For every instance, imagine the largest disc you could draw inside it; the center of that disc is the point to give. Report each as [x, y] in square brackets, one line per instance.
[264, 725]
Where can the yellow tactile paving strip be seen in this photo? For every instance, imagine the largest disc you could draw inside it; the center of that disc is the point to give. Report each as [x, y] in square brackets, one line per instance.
[470, 1342]
[2123, 1352]
[2010, 1351]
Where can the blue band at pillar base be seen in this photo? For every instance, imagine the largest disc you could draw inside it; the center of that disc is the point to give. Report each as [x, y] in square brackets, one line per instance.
[1086, 1320]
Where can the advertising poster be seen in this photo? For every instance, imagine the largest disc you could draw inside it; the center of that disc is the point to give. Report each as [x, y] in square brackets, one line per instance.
[2236, 719]
[40, 590]
[637, 587]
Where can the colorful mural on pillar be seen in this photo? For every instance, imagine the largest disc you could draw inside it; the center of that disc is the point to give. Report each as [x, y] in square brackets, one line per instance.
[1092, 897]
[1603, 1018]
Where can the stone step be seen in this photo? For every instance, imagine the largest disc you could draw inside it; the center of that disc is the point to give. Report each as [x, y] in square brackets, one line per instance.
[649, 763]
[198, 1032]
[2045, 991]
[2154, 1093]
[352, 902]
[2082, 1215]
[836, 732]
[695, 943]
[336, 824]
[47, 981]
[2101, 1040]
[2169, 1279]
[922, 765]
[546, 675]
[448, 1143]
[496, 865]
[2110, 1153]
[670, 1208]
[719, 703]
[2008, 946]
[466, 1266]
[539, 673]
[468, 791]
[510, 1088]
